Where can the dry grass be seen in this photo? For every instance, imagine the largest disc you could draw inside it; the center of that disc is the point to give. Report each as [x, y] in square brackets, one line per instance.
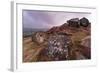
[31, 49]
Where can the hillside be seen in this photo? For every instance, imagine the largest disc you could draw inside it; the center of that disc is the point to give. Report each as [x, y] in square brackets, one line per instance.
[36, 46]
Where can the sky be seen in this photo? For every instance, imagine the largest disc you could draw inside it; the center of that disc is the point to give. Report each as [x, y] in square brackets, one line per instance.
[48, 19]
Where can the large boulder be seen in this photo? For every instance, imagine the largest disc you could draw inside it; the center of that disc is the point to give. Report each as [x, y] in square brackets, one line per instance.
[39, 37]
[84, 22]
[74, 22]
[58, 47]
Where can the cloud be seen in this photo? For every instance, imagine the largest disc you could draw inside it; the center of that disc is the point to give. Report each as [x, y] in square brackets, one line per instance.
[47, 19]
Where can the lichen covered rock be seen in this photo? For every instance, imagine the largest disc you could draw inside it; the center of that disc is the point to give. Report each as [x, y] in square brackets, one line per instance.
[58, 47]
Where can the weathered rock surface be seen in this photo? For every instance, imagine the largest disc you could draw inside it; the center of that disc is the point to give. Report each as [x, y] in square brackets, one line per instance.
[58, 47]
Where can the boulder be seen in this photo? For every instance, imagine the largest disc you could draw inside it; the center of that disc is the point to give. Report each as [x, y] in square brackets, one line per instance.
[39, 37]
[84, 22]
[74, 22]
[58, 47]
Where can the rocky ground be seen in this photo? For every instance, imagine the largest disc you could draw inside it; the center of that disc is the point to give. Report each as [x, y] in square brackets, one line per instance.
[79, 48]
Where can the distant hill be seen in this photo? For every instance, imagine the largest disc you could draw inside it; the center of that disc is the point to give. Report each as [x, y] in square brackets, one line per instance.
[34, 29]
[28, 31]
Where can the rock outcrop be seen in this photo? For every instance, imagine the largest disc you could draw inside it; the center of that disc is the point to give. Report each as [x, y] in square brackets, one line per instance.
[70, 41]
[58, 47]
